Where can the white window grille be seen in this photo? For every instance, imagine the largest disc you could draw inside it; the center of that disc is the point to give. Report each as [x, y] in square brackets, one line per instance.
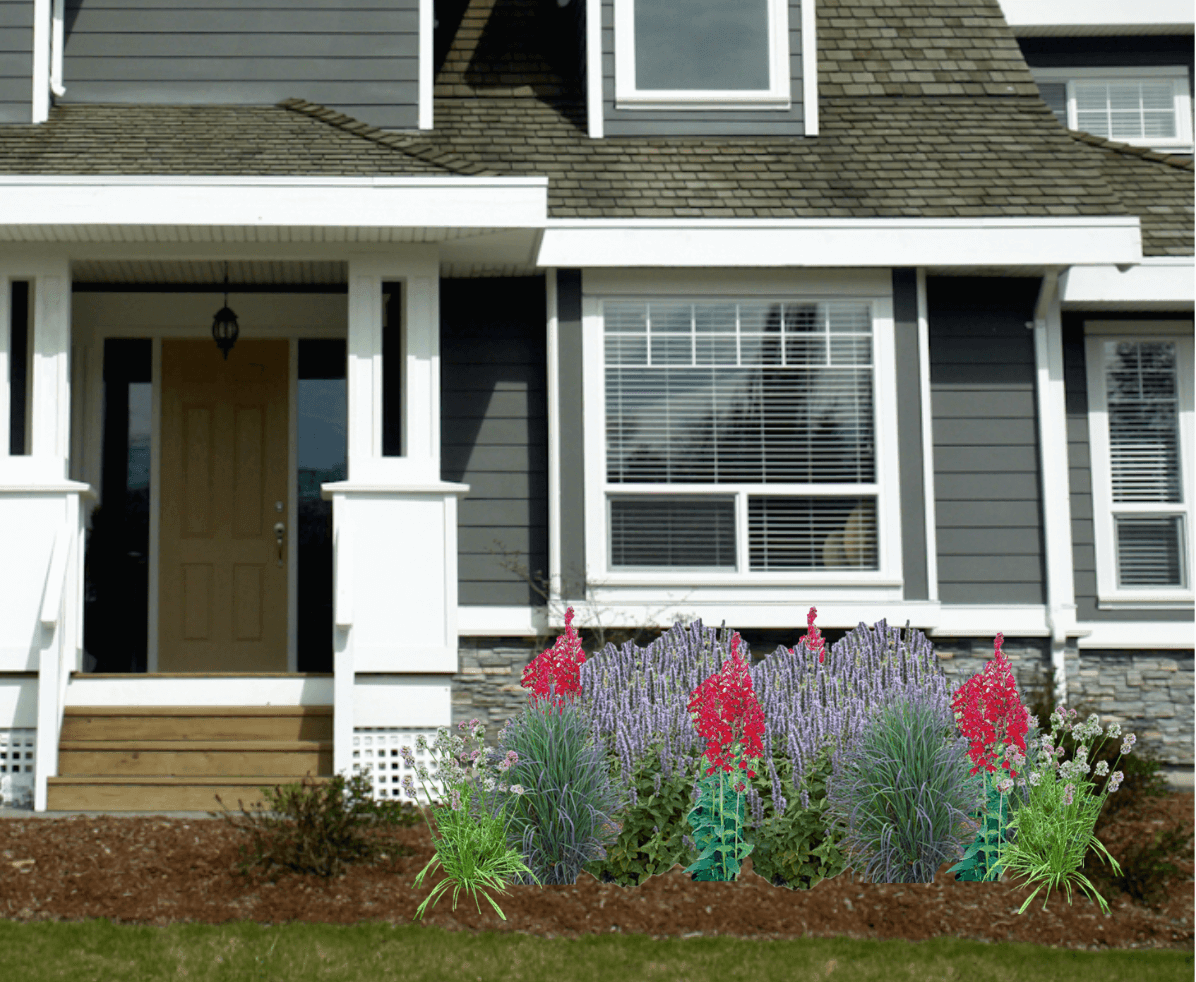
[1140, 416]
[740, 436]
[1148, 107]
[18, 750]
[376, 753]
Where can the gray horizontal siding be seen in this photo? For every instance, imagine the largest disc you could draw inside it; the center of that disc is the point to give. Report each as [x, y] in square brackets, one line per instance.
[729, 122]
[1083, 542]
[1109, 52]
[16, 61]
[358, 56]
[986, 482]
[494, 432]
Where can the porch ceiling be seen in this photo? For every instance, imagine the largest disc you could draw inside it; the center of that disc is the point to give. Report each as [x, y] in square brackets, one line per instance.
[241, 273]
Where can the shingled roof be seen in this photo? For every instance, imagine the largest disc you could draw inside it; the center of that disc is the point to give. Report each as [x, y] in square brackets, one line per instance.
[927, 110]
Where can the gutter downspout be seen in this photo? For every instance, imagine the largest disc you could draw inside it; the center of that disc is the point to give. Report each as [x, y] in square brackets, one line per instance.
[42, 29]
[56, 49]
[1053, 474]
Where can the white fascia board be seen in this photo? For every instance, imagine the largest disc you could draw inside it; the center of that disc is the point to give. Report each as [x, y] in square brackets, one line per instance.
[286, 202]
[1028, 17]
[1166, 280]
[1137, 634]
[841, 242]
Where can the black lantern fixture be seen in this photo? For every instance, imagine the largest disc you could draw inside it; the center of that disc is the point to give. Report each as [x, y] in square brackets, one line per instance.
[224, 324]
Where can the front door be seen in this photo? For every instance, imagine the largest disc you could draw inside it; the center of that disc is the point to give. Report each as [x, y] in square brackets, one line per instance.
[222, 569]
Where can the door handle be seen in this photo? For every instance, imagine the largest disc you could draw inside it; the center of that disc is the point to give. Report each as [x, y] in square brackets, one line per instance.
[280, 531]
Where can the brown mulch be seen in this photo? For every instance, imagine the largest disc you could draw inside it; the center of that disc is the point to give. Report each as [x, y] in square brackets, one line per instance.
[145, 870]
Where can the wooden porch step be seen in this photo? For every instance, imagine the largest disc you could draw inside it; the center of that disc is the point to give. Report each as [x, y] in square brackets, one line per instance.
[194, 757]
[178, 758]
[128, 793]
[197, 722]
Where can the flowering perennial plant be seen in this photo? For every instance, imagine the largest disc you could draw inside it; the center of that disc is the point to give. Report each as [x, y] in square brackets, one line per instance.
[558, 666]
[815, 643]
[990, 715]
[470, 848]
[731, 722]
[1055, 825]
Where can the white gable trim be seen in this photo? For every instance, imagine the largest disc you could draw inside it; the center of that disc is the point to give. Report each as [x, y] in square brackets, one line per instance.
[1163, 281]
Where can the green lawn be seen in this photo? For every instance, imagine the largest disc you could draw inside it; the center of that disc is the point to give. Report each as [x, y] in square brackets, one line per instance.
[98, 950]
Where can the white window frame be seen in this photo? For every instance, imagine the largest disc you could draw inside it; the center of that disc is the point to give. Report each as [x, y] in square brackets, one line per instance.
[1109, 595]
[776, 96]
[1178, 74]
[888, 573]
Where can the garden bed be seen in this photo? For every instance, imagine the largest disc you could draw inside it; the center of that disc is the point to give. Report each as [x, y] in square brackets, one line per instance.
[170, 870]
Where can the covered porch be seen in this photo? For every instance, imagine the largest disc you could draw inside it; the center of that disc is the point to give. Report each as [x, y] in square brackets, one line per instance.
[223, 572]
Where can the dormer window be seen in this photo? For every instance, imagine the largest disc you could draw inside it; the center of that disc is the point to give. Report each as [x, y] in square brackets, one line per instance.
[701, 54]
[1145, 106]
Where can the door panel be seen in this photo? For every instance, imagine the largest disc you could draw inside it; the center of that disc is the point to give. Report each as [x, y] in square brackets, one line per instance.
[223, 593]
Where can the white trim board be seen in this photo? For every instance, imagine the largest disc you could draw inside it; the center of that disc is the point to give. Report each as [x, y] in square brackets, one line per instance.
[1079, 17]
[841, 242]
[1138, 634]
[1166, 282]
[274, 202]
[146, 690]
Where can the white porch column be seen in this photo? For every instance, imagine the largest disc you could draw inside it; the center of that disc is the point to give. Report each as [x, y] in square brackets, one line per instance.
[41, 577]
[395, 521]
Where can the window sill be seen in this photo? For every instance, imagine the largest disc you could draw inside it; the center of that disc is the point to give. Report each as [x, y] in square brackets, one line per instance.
[1183, 601]
[705, 102]
[680, 577]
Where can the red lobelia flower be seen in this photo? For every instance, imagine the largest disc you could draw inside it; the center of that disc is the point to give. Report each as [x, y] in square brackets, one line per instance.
[990, 713]
[729, 716]
[558, 666]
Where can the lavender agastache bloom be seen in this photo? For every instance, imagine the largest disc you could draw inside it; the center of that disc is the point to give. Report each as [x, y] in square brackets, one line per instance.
[637, 697]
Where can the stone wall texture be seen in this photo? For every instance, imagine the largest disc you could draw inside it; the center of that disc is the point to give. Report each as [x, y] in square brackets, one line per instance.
[1149, 693]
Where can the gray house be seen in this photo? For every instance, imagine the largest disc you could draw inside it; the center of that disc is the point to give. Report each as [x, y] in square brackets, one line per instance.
[344, 346]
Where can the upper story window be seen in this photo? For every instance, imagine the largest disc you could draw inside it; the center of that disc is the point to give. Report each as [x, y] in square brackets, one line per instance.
[739, 438]
[1148, 107]
[702, 54]
[1140, 425]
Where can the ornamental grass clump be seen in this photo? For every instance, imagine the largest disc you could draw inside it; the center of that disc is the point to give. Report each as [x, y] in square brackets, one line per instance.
[571, 819]
[901, 790]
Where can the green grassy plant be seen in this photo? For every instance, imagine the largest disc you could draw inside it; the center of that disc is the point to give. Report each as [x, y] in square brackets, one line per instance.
[99, 951]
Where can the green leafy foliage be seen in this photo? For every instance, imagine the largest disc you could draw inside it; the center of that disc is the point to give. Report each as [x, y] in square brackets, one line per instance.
[797, 849]
[652, 834]
[716, 820]
[980, 860]
[315, 827]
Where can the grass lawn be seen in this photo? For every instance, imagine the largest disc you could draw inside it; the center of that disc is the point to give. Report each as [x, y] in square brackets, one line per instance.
[99, 950]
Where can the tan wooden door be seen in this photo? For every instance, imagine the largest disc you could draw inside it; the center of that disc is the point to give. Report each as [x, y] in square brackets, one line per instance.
[222, 586]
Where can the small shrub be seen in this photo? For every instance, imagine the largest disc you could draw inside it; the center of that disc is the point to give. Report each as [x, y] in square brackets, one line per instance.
[901, 789]
[567, 820]
[311, 827]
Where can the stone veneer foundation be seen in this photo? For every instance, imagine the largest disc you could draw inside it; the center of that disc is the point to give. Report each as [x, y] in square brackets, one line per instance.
[1149, 693]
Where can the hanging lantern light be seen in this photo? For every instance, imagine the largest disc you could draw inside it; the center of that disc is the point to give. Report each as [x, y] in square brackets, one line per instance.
[224, 324]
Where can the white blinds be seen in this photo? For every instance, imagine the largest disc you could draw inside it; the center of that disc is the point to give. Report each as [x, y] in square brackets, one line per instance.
[1143, 412]
[1142, 402]
[758, 393]
[739, 392]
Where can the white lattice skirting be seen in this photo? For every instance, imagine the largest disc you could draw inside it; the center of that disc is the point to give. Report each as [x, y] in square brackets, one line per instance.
[376, 753]
[17, 750]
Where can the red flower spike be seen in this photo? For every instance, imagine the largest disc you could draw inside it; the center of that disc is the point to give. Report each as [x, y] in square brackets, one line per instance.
[559, 666]
[729, 717]
[815, 643]
[990, 713]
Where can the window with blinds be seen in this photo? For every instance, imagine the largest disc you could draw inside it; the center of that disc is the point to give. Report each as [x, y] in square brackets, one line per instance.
[1142, 403]
[760, 414]
[1148, 107]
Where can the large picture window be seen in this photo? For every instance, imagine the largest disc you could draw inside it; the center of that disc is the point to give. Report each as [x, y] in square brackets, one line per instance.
[740, 435]
[1140, 404]
[701, 53]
